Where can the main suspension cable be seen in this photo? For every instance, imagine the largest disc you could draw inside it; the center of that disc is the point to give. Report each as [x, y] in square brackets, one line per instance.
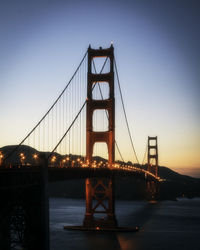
[145, 153]
[68, 84]
[127, 124]
[68, 129]
[107, 112]
[75, 117]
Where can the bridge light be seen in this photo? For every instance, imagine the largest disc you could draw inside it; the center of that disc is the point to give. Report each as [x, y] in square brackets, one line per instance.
[35, 156]
[1, 157]
[53, 159]
[22, 158]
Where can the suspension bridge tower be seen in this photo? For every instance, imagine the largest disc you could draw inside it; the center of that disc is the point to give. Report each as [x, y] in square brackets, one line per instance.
[100, 207]
[152, 159]
[153, 155]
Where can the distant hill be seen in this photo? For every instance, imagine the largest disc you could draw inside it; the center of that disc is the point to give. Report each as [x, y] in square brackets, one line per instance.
[13, 151]
[127, 187]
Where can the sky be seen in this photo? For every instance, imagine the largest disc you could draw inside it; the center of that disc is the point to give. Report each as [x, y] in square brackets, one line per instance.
[157, 53]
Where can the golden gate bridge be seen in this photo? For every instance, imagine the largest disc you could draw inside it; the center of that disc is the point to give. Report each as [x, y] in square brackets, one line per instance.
[78, 137]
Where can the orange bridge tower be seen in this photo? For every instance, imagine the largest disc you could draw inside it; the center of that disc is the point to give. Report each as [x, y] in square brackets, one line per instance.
[100, 207]
[152, 156]
[152, 159]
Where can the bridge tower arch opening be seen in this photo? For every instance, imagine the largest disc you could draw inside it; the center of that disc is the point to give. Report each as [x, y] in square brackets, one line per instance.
[100, 152]
[100, 191]
[100, 121]
[101, 91]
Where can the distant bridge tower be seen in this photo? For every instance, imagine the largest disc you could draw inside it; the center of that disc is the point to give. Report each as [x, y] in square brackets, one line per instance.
[153, 155]
[152, 186]
[100, 191]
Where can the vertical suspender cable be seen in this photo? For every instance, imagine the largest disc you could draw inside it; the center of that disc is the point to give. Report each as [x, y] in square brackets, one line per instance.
[68, 84]
[72, 123]
[125, 112]
[107, 113]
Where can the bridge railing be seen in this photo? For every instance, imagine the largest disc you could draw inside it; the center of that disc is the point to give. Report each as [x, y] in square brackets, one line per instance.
[79, 162]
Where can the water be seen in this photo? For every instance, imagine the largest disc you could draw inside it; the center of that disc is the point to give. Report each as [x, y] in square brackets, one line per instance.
[165, 225]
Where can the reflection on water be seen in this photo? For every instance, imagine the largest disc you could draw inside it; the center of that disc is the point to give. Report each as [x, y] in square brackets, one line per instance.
[164, 225]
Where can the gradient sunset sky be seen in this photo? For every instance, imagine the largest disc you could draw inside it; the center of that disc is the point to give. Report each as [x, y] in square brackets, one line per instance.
[157, 52]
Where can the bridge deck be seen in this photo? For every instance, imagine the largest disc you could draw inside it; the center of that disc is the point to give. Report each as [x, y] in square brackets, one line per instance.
[32, 175]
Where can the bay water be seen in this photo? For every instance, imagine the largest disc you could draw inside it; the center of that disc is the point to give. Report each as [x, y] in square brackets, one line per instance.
[163, 225]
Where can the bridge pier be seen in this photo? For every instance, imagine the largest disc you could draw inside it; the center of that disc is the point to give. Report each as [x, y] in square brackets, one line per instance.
[100, 201]
[152, 189]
